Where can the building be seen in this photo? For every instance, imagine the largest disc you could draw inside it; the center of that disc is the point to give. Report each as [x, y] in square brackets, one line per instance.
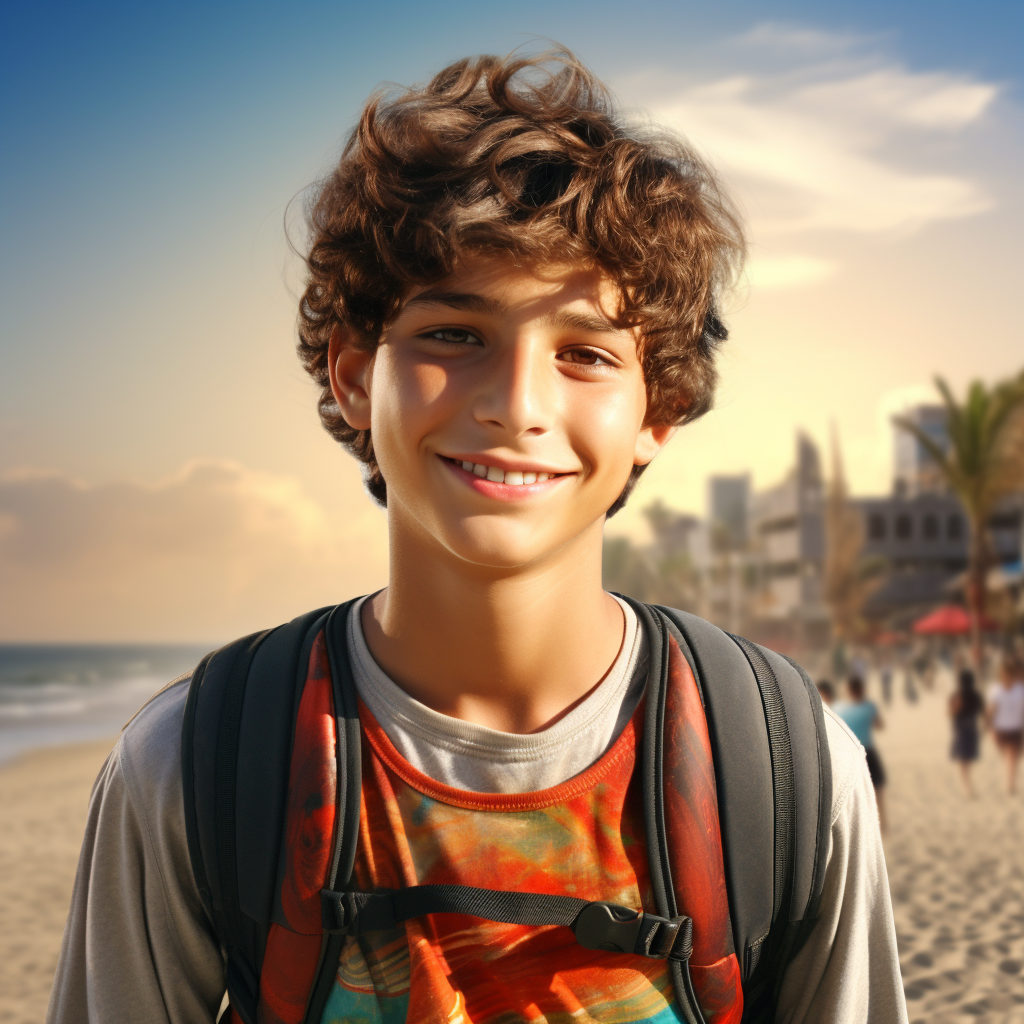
[915, 470]
[923, 540]
[728, 508]
[756, 564]
[787, 545]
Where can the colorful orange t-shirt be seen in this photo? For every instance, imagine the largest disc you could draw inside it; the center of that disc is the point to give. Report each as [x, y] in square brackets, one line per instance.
[583, 838]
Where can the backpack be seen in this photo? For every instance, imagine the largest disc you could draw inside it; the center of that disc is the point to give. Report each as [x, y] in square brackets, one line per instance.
[772, 774]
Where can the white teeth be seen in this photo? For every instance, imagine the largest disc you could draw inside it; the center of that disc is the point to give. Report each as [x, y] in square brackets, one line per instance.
[513, 477]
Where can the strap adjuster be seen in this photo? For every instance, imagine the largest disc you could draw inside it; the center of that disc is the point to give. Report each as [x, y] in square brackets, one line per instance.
[338, 912]
[619, 929]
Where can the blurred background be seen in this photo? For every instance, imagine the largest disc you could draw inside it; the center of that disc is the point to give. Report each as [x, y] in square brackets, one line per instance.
[165, 485]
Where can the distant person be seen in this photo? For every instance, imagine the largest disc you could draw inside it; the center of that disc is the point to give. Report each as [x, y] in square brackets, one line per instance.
[859, 665]
[839, 661]
[827, 691]
[885, 678]
[965, 707]
[1006, 716]
[862, 716]
[923, 668]
[909, 686]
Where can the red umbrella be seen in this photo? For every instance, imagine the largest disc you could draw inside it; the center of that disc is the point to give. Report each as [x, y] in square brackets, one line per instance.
[950, 619]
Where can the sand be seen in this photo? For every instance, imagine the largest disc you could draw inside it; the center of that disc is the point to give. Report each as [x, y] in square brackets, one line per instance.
[956, 870]
[956, 873]
[44, 796]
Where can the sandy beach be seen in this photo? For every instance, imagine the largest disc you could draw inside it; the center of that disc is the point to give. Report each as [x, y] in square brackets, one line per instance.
[956, 870]
[956, 873]
[44, 796]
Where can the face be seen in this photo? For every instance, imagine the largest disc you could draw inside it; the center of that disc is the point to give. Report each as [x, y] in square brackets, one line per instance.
[506, 410]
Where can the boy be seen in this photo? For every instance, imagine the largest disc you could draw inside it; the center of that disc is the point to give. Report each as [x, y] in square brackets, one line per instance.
[510, 307]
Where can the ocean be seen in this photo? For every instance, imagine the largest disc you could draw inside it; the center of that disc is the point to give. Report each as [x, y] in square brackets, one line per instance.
[69, 693]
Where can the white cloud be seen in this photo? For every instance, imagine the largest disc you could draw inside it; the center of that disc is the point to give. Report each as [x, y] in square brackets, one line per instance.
[215, 551]
[812, 158]
[818, 132]
[881, 100]
[788, 39]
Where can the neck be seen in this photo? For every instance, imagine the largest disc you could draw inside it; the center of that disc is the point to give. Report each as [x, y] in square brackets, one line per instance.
[511, 649]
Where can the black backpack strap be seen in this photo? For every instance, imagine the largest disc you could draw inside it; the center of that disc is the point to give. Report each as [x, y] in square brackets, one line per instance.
[773, 775]
[236, 748]
[652, 767]
[346, 824]
[596, 924]
[743, 778]
[810, 812]
[816, 859]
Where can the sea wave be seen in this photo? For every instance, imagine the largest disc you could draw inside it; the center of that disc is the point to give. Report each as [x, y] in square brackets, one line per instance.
[51, 694]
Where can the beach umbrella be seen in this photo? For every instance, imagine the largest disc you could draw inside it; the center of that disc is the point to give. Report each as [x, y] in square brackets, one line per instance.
[949, 620]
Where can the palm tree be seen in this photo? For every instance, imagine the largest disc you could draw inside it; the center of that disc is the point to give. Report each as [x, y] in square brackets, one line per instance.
[982, 461]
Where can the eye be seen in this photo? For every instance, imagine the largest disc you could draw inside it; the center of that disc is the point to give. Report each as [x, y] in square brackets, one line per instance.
[452, 336]
[585, 357]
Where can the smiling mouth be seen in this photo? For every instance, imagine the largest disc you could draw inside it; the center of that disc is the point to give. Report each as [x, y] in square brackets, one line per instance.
[496, 475]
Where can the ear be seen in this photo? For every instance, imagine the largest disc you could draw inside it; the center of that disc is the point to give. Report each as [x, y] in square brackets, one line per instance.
[350, 366]
[650, 441]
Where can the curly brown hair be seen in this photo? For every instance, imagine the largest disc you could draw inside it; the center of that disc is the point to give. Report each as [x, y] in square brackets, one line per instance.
[524, 157]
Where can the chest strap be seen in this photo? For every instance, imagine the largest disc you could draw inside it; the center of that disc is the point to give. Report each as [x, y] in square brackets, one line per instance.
[596, 925]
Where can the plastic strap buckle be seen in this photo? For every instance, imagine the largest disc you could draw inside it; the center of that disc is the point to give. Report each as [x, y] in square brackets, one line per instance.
[339, 912]
[619, 929]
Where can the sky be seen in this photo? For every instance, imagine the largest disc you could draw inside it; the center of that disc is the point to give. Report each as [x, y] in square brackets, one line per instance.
[163, 475]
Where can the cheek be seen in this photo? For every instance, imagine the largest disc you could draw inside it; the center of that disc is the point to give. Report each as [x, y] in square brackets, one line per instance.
[408, 398]
[606, 428]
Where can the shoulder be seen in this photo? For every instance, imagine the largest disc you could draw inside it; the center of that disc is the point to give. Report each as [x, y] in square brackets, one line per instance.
[148, 754]
[847, 758]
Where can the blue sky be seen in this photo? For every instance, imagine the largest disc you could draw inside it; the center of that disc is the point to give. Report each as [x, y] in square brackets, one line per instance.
[150, 151]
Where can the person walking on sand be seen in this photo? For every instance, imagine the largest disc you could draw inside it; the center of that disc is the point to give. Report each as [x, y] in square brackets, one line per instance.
[965, 707]
[1005, 716]
[862, 716]
[885, 673]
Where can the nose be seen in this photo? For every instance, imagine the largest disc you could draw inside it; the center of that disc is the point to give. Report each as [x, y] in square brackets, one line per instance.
[518, 394]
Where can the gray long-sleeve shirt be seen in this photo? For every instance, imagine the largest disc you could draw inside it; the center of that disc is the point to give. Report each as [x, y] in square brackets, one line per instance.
[138, 944]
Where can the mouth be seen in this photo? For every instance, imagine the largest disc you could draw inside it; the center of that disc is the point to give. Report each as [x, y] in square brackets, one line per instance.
[498, 482]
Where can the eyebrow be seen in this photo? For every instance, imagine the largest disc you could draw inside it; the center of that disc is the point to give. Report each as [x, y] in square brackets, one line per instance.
[566, 319]
[468, 301]
[574, 321]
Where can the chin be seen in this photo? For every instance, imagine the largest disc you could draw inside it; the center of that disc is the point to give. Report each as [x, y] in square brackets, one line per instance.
[504, 546]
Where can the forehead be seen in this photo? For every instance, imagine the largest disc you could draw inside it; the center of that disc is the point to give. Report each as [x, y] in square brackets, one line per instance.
[505, 288]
